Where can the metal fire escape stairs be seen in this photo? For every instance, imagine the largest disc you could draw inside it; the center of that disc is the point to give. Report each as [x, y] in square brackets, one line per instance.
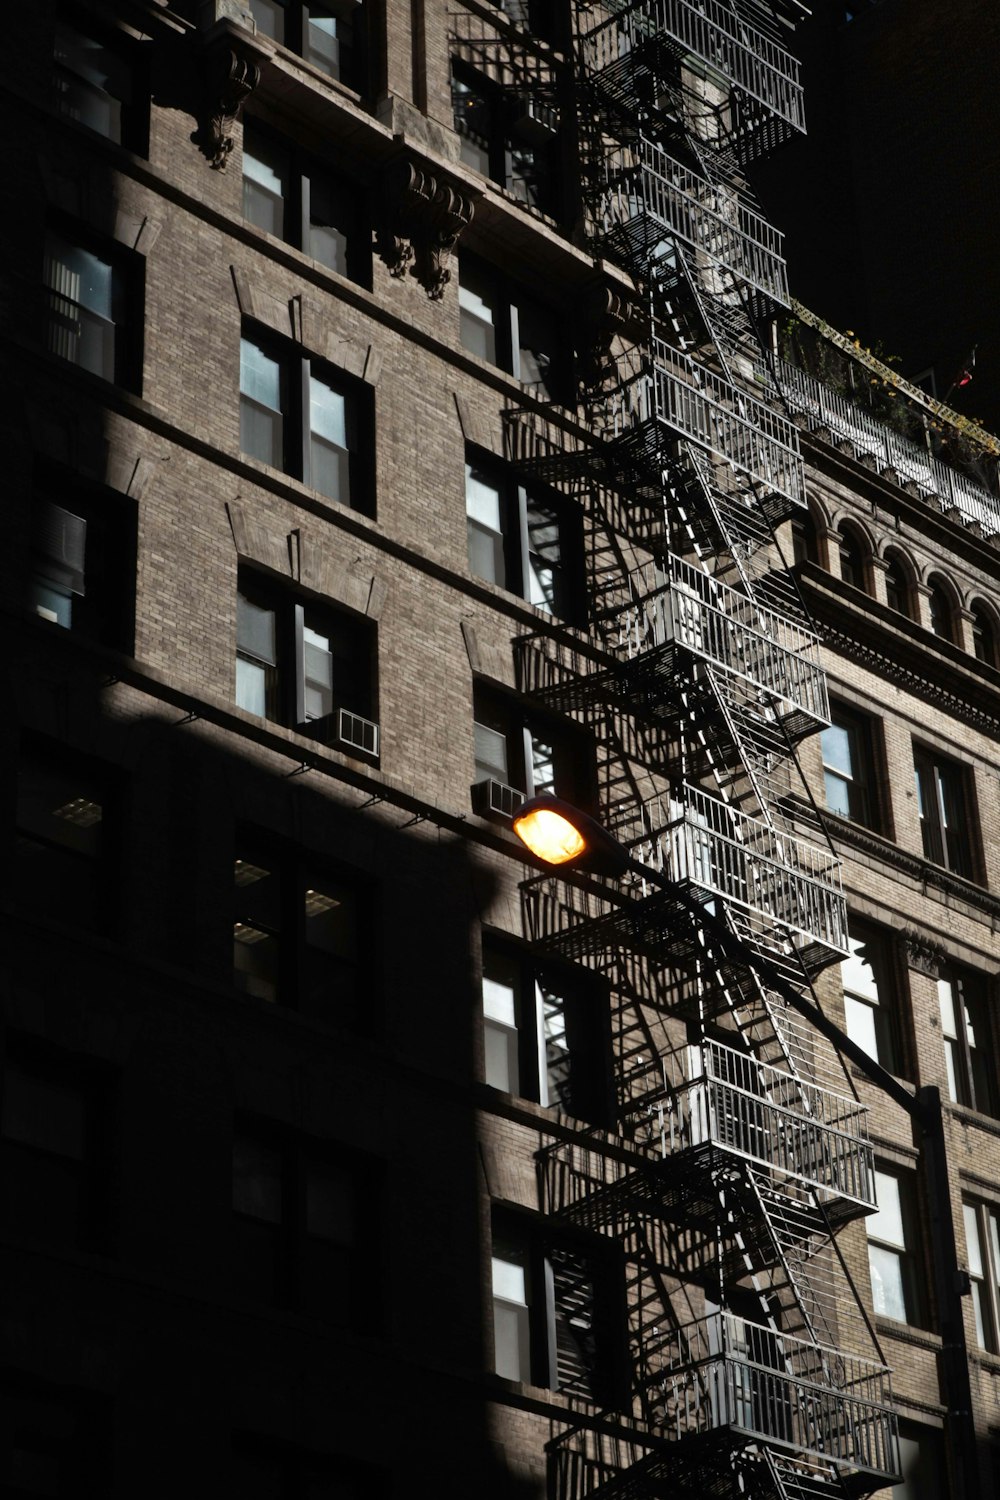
[739, 1149]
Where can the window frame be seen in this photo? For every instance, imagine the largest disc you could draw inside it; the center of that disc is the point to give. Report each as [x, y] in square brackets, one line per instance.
[851, 544]
[355, 77]
[971, 1083]
[948, 843]
[898, 583]
[521, 727]
[983, 1267]
[862, 776]
[941, 609]
[92, 562]
[881, 999]
[84, 860]
[133, 129]
[905, 1253]
[285, 695]
[121, 363]
[985, 640]
[518, 321]
[586, 1029]
[516, 552]
[505, 136]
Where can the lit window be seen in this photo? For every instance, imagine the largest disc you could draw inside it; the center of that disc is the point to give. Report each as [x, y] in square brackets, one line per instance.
[944, 816]
[848, 766]
[296, 200]
[543, 1034]
[87, 310]
[869, 995]
[304, 666]
[891, 1250]
[503, 326]
[297, 416]
[968, 1041]
[327, 35]
[982, 1246]
[524, 539]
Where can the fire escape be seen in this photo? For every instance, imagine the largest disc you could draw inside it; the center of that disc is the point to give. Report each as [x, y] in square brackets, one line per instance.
[739, 1150]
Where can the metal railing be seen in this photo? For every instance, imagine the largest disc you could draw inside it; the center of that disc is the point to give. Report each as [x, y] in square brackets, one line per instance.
[686, 606]
[786, 1124]
[726, 1372]
[823, 407]
[716, 415]
[649, 193]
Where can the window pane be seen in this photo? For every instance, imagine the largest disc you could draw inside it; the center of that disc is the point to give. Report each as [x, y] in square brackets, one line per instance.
[330, 1213]
[558, 1072]
[860, 1020]
[500, 1057]
[546, 587]
[318, 668]
[260, 375]
[543, 767]
[536, 342]
[473, 122]
[888, 1296]
[330, 218]
[256, 630]
[256, 946]
[887, 1223]
[269, 16]
[58, 809]
[265, 179]
[261, 424]
[253, 688]
[491, 753]
[477, 315]
[91, 81]
[329, 456]
[836, 746]
[81, 325]
[328, 37]
[257, 1189]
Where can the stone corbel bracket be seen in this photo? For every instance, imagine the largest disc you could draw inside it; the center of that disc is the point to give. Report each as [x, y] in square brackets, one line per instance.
[606, 312]
[230, 77]
[421, 219]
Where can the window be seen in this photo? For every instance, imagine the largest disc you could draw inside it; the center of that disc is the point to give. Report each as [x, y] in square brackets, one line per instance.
[298, 416]
[891, 1250]
[526, 540]
[984, 636]
[298, 1215]
[848, 766]
[545, 1034]
[298, 938]
[530, 756]
[982, 1248]
[330, 36]
[54, 1150]
[869, 995]
[805, 547]
[61, 839]
[510, 136]
[944, 815]
[969, 1050]
[299, 201]
[941, 612]
[89, 297]
[506, 328]
[897, 584]
[852, 558]
[558, 1311]
[94, 85]
[921, 1461]
[53, 1441]
[82, 572]
[305, 666]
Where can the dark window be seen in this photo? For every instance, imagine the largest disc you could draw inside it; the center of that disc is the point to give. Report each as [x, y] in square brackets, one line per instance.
[897, 585]
[300, 201]
[299, 416]
[510, 136]
[545, 1034]
[307, 666]
[941, 612]
[299, 938]
[302, 1230]
[55, 1149]
[82, 573]
[871, 1006]
[95, 84]
[853, 568]
[525, 539]
[61, 838]
[892, 1250]
[969, 1047]
[921, 1460]
[532, 754]
[849, 767]
[984, 636]
[508, 329]
[541, 18]
[558, 1311]
[330, 36]
[982, 1248]
[92, 308]
[53, 1441]
[804, 544]
[944, 814]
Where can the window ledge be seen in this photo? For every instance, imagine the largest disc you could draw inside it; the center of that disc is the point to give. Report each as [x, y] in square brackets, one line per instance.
[906, 1333]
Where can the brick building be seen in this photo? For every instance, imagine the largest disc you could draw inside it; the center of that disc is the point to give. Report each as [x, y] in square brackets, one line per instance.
[395, 430]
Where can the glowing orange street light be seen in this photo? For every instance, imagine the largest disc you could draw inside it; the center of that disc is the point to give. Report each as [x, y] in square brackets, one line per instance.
[560, 834]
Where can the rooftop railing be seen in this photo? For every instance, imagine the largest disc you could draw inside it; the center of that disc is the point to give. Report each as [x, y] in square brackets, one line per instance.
[846, 420]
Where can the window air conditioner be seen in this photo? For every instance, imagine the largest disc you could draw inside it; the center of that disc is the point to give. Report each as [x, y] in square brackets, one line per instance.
[496, 800]
[352, 732]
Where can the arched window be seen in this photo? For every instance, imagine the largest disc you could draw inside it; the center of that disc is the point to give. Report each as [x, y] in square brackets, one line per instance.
[942, 613]
[984, 636]
[897, 583]
[852, 558]
[804, 544]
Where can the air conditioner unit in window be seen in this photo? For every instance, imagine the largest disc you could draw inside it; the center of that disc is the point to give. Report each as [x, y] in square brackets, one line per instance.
[496, 800]
[352, 732]
[533, 120]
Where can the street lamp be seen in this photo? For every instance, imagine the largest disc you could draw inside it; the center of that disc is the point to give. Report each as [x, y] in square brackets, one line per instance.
[561, 835]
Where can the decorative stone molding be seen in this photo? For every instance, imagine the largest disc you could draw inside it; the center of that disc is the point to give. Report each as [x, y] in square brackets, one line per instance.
[921, 954]
[605, 314]
[420, 220]
[230, 77]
